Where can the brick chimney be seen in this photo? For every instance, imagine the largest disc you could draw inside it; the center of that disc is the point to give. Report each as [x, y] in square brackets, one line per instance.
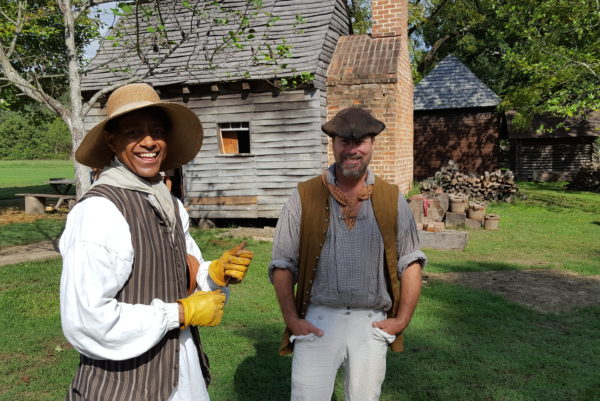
[389, 17]
[373, 72]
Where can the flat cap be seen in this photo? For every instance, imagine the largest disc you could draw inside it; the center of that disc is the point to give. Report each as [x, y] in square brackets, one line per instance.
[353, 123]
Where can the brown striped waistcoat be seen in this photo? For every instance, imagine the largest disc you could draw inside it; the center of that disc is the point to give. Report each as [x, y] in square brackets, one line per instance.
[159, 271]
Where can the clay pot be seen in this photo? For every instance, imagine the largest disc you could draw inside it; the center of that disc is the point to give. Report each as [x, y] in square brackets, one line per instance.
[491, 221]
[457, 205]
[476, 214]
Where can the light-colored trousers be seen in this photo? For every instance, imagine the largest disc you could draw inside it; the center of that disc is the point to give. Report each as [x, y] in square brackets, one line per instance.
[351, 341]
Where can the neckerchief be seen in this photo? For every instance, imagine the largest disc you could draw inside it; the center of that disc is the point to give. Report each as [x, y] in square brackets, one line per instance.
[350, 204]
[118, 175]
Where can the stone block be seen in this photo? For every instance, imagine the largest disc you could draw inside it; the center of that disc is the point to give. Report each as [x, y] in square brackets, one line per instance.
[445, 240]
[473, 224]
[456, 220]
[416, 205]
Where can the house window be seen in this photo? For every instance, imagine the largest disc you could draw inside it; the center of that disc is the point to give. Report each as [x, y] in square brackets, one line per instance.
[234, 138]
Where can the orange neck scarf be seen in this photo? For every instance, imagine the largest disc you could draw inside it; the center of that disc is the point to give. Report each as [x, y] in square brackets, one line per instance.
[350, 204]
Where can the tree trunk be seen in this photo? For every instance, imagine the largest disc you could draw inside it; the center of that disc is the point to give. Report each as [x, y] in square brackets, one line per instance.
[82, 173]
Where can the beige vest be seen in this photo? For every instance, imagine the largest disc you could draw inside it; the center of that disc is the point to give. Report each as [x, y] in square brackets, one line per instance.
[314, 223]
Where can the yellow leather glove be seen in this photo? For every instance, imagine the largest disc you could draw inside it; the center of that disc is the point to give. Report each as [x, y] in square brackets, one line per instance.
[202, 308]
[232, 266]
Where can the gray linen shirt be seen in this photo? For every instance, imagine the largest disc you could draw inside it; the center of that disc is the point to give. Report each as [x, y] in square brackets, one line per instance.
[350, 271]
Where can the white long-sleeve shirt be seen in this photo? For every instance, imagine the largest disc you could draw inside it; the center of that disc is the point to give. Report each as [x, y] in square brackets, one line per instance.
[97, 254]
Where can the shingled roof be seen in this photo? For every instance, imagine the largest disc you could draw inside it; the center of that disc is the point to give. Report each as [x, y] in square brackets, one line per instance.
[451, 85]
[310, 27]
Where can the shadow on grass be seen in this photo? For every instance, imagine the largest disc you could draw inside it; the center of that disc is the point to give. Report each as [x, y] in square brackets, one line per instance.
[264, 370]
[28, 233]
[9, 193]
[477, 266]
[467, 345]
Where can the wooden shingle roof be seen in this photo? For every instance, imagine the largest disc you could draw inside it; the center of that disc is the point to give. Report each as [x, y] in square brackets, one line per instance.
[451, 85]
[310, 27]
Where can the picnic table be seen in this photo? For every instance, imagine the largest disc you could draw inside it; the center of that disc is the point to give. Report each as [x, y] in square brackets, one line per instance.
[62, 186]
[35, 203]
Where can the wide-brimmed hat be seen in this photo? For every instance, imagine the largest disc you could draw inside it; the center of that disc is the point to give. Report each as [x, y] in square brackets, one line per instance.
[353, 123]
[183, 140]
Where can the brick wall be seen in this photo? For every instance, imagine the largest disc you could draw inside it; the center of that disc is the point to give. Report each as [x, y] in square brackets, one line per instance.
[389, 18]
[469, 138]
[373, 72]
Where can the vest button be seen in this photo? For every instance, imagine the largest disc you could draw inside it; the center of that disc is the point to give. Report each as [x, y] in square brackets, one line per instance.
[317, 258]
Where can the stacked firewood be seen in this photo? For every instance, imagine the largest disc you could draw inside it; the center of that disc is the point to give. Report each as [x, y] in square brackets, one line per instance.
[587, 178]
[489, 186]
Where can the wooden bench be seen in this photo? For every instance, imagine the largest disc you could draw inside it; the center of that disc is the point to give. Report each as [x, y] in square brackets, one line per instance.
[36, 203]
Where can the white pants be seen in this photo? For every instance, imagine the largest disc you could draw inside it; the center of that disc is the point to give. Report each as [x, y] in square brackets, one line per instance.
[350, 341]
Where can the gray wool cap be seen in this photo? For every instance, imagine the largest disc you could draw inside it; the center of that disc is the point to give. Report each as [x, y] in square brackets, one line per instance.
[353, 123]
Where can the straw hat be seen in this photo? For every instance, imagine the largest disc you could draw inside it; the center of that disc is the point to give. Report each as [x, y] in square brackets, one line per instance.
[183, 141]
[353, 123]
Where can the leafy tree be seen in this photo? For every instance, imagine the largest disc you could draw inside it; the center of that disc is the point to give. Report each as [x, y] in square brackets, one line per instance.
[360, 15]
[33, 133]
[36, 46]
[33, 60]
[540, 56]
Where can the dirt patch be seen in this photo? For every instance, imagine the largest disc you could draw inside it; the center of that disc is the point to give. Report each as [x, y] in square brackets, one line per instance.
[545, 291]
[259, 234]
[28, 253]
[15, 215]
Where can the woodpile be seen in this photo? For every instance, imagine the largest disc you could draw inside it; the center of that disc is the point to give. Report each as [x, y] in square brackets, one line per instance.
[587, 178]
[496, 186]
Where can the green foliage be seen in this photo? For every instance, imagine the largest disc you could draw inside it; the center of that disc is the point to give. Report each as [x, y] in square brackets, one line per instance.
[33, 135]
[40, 46]
[540, 56]
[360, 15]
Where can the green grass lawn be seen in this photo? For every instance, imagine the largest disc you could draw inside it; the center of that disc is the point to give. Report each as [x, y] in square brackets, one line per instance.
[552, 228]
[21, 176]
[463, 344]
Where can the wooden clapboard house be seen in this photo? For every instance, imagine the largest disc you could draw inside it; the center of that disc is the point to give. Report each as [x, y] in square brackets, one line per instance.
[455, 119]
[259, 142]
[552, 149]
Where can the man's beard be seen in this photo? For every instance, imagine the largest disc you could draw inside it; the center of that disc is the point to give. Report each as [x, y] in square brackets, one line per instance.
[350, 172]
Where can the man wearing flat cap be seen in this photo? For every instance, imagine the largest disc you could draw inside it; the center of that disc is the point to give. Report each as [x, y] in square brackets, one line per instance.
[348, 243]
[134, 285]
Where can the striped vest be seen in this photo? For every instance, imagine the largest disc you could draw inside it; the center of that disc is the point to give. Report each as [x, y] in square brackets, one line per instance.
[159, 271]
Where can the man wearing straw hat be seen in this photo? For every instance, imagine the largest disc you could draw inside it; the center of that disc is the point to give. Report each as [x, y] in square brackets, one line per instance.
[343, 240]
[134, 285]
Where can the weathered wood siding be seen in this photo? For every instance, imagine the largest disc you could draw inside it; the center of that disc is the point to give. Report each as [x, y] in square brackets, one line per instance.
[339, 26]
[470, 137]
[565, 155]
[286, 147]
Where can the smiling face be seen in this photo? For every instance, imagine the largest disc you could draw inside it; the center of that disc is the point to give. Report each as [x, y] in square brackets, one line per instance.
[138, 139]
[352, 157]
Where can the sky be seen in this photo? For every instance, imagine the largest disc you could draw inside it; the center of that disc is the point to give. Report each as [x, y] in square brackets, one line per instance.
[107, 19]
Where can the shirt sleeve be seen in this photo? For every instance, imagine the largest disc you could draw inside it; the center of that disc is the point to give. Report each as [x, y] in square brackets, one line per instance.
[286, 240]
[97, 257]
[203, 280]
[407, 242]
